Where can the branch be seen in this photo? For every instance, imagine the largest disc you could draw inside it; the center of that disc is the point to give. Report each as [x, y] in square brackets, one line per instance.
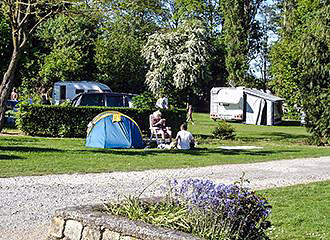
[27, 14]
[24, 39]
[41, 20]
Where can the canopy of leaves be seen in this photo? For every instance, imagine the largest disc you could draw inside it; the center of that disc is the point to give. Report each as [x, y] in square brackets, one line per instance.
[239, 31]
[177, 59]
[62, 50]
[300, 63]
[314, 60]
[5, 43]
[118, 58]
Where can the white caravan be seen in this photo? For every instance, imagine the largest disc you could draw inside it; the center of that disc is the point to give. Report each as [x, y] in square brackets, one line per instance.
[68, 90]
[251, 106]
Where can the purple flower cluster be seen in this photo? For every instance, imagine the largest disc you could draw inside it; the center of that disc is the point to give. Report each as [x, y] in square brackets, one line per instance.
[243, 211]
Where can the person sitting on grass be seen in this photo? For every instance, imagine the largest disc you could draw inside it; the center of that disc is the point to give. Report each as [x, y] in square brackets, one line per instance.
[184, 138]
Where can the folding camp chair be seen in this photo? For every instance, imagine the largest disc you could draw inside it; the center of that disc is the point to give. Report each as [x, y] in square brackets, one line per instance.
[154, 131]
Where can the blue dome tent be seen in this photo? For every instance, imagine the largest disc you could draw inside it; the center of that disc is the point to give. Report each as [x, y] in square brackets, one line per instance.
[113, 130]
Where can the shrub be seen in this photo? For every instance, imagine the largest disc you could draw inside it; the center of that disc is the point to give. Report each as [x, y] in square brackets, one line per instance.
[67, 121]
[204, 209]
[144, 100]
[224, 131]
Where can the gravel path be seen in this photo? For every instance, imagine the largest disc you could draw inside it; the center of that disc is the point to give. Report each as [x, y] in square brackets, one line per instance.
[27, 203]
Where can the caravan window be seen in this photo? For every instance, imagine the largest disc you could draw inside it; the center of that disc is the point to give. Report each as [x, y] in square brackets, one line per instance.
[79, 91]
[92, 100]
[224, 104]
[115, 101]
[62, 92]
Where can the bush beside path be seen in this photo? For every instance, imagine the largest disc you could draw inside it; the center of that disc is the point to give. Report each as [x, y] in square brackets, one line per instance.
[27, 203]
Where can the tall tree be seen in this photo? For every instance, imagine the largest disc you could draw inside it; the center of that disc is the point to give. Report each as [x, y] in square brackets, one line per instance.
[238, 33]
[5, 43]
[266, 35]
[285, 52]
[177, 59]
[300, 63]
[118, 58]
[24, 17]
[125, 29]
[314, 60]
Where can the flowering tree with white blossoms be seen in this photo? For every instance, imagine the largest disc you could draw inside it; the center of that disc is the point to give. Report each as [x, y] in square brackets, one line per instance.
[177, 58]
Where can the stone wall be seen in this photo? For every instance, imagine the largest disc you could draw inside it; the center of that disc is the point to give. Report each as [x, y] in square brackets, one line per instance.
[88, 223]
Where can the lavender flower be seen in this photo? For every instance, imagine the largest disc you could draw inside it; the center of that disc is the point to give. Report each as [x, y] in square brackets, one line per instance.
[233, 209]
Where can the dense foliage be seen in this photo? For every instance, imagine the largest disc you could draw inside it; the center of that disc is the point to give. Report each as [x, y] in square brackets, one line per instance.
[315, 85]
[144, 100]
[63, 51]
[240, 33]
[102, 41]
[204, 209]
[67, 121]
[118, 58]
[177, 59]
[5, 43]
[300, 64]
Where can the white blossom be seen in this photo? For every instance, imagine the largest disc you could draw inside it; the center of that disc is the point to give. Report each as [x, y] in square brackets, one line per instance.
[176, 58]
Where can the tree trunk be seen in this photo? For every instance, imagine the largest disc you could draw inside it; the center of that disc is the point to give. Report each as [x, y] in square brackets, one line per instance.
[7, 84]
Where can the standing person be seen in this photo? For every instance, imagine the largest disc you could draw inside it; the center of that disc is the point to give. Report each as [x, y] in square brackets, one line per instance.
[45, 100]
[189, 114]
[14, 95]
[184, 138]
[162, 102]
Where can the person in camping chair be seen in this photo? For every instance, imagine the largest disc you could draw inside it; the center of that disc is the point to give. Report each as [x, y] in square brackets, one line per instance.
[159, 125]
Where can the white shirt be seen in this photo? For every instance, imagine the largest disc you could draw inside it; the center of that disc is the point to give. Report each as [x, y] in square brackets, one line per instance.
[184, 138]
[162, 103]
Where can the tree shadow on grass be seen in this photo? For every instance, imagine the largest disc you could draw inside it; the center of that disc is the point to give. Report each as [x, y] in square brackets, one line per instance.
[275, 136]
[290, 123]
[203, 136]
[194, 152]
[10, 157]
[7, 140]
[28, 149]
[254, 152]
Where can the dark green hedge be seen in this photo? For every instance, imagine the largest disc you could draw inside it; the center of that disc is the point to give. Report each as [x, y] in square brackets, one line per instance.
[67, 121]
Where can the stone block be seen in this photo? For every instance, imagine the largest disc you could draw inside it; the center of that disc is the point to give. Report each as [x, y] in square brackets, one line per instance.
[91, 234]
[56, 228]
[73, 230]
[110, 235]
[128, 238]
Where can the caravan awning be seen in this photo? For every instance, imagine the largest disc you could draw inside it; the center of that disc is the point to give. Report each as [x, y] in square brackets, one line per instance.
[263, 95]
[230, 96]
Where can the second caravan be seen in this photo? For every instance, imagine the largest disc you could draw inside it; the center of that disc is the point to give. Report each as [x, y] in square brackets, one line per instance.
[68, 90]
[250, 106]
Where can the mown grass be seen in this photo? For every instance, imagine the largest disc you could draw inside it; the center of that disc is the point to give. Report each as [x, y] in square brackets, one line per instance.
[300, 212]
[23, 155]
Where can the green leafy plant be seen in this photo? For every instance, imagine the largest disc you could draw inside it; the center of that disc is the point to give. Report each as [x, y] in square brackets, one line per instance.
[68, 121]
[144, 100]
[204, 209]
[224, 131]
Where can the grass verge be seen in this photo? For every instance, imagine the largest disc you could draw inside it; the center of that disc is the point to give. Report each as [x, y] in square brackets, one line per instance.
[23, 155]
[300, 212]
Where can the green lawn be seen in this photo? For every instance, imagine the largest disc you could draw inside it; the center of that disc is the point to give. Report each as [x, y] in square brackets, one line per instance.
[23, 155]
[300, 212]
